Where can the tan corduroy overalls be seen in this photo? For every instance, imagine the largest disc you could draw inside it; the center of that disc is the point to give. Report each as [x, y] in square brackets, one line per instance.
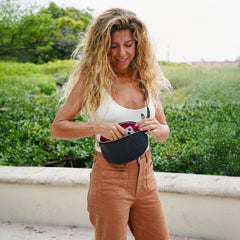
[126, 194]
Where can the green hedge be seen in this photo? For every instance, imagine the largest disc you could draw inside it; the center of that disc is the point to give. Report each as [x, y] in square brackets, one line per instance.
[203, 115]
[28, 105]
[204, 139]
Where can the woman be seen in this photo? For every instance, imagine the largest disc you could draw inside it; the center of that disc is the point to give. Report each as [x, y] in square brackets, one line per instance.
[116, 68]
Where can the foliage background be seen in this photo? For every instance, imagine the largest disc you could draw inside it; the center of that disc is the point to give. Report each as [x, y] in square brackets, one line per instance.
[203, 114]
[203, 111]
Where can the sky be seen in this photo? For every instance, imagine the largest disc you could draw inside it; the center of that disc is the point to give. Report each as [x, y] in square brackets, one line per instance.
[180, 30]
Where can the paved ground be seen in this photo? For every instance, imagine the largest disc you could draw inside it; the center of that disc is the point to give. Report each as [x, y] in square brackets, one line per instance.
[18, 231]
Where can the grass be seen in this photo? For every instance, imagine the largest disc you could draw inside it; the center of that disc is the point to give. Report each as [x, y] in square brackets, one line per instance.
[217, 84]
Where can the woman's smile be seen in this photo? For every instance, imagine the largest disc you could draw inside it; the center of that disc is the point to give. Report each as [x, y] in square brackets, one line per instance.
[122, 60]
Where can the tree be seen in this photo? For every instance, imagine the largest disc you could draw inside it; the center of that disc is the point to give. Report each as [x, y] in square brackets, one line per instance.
[40, 36]
[70, 24]
[10, 14]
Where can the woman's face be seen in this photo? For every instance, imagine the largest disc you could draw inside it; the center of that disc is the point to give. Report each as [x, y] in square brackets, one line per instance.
[122, 50]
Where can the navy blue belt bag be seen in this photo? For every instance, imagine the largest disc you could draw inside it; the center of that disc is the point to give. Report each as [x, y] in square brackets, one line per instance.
[127, 148]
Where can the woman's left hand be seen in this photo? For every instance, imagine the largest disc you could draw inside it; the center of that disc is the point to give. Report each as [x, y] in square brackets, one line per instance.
[153, 126]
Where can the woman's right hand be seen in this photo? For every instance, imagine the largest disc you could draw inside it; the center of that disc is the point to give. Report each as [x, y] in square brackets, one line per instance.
[109, 130]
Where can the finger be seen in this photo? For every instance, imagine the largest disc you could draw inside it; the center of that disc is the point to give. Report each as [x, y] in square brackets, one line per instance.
[144, 127]
[145, 121]
[149, 127]
[121, 131]
[114, 137]
[141, 123]
[118, 135]
[151, 132]
[117, 132]
[138, 123]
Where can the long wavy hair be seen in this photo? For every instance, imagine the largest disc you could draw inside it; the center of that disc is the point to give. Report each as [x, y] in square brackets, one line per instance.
[95, 69]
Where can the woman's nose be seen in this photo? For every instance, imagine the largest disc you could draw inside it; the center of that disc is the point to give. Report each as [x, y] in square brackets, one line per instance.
[121, 52]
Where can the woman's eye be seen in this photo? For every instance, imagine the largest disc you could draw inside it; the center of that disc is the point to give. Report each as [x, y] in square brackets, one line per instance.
[113, 46]
[129, 45]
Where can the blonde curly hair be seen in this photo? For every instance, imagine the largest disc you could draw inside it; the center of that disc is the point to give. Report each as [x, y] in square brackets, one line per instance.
[95, 67]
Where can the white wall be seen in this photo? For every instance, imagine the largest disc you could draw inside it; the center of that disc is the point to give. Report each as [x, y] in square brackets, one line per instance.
[201, 206]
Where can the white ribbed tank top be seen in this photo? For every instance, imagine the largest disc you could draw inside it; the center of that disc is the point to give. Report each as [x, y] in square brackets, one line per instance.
[110, 111]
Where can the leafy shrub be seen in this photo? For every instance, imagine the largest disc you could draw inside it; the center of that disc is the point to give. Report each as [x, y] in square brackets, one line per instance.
[27, 139]
[204, 139]
[28, 105]
[203, 114]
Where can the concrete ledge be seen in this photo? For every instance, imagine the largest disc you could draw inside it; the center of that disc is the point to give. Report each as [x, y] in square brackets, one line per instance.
[218, 186]
[199, 206]
[207, 185]
[45, 176]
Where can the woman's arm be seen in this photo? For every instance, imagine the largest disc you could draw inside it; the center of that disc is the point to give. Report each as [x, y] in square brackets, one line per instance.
[63, 126]
[161, 134]
[155, 125]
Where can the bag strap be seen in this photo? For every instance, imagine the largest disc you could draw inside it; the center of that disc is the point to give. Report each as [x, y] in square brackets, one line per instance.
[146, 97]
